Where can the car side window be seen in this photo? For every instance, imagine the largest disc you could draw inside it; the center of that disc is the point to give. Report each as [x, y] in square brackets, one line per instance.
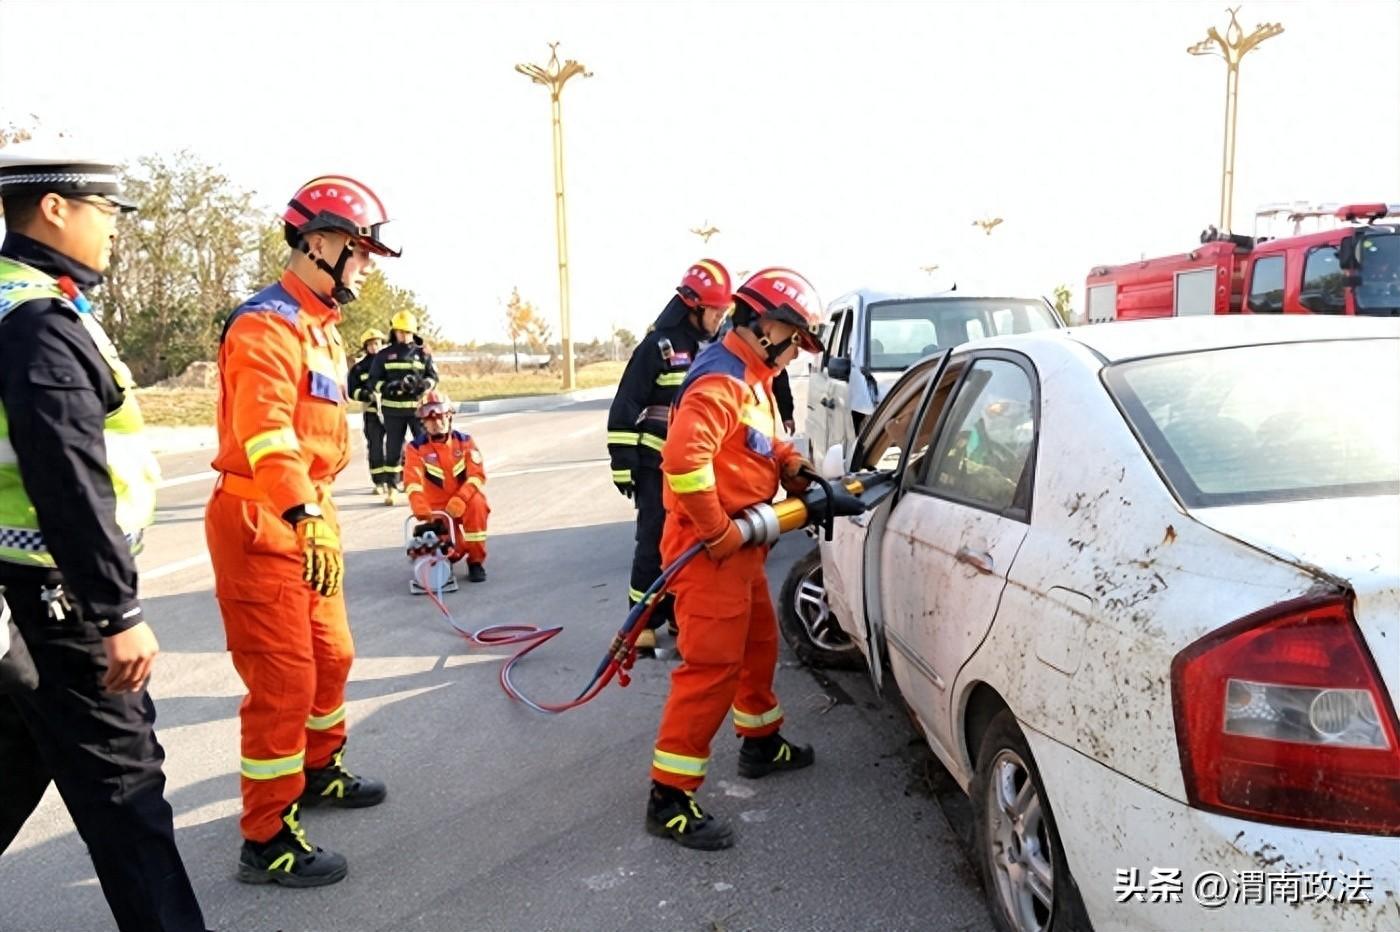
[985, 445]
[1266, 286]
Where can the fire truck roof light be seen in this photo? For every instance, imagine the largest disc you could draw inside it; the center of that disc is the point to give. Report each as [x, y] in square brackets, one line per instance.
[1363, 211]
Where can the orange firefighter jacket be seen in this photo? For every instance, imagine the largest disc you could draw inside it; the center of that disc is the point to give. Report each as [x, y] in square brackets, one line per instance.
[282, 396]
[721, 453]
[435, 471]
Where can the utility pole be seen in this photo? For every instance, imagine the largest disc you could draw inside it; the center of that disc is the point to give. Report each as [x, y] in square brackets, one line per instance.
[1233, 48]
[554, 76]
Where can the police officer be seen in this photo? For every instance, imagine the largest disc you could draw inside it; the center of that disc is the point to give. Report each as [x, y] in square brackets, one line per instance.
[77, 487]
[401, 374]
[641, 410]
[371, 341]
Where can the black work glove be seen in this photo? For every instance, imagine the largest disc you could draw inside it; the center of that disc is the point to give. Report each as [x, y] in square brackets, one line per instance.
[412, 384]
[624, 464]
[436, 526]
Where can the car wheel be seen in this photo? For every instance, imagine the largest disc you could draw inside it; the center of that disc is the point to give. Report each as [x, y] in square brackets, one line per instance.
[806, 620]
[1016, 843]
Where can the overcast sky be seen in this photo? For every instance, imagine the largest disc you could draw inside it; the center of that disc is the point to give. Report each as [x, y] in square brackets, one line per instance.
[854, 141]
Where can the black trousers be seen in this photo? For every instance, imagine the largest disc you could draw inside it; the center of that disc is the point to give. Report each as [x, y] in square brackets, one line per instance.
[374, 442]
[397, 429]
[646, 558]
[100, 749]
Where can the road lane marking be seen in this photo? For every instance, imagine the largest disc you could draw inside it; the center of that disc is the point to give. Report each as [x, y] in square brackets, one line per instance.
[186, 480]
[172, 568]
[586, 464]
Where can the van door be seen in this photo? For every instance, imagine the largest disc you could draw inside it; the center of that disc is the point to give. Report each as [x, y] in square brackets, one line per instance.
[823, 426]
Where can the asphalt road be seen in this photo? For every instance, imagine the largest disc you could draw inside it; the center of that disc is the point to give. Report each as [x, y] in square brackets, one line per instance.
[498, 817]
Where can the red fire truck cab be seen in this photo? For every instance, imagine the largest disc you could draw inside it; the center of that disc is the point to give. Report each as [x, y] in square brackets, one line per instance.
[1352, 268]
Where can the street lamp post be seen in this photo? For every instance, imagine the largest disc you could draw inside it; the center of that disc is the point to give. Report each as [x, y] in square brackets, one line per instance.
[1233, 48]
[554, 76]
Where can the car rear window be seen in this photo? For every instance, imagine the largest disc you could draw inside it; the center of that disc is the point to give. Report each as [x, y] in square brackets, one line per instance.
[903, 332]
[1269, 423]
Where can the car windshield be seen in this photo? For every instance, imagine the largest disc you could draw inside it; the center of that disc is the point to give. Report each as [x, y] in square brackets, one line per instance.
[903, 332]
[1278, 422]
[1379, 291]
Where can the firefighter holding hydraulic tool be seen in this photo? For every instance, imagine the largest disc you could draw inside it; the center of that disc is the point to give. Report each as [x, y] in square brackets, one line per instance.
[722, 457]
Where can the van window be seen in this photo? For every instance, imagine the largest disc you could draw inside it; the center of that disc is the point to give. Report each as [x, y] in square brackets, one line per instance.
[903, 332]
[1266, 286]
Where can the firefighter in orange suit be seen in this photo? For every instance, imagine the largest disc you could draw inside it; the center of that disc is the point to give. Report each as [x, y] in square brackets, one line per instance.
[444, 472]
[722, 455]
[273, 535]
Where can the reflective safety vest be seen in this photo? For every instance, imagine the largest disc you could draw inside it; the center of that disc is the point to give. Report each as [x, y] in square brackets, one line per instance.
[134, 470]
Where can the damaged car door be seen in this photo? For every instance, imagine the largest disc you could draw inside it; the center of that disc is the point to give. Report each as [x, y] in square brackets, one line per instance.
[952, 537]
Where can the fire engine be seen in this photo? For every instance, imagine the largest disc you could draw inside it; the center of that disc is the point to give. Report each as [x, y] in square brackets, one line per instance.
[1348, 264]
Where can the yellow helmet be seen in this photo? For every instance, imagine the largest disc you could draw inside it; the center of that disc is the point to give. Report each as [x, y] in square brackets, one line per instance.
[371, 334]
[405, 321]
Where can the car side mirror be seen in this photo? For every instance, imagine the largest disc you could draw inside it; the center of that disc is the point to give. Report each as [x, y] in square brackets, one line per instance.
[1346, 253]
[839, 368]
[833, 464]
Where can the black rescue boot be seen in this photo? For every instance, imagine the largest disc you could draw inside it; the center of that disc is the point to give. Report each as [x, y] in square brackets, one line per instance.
[333, 785]
[288, 859]
[476, 572]
[759, 757]
[674, 814]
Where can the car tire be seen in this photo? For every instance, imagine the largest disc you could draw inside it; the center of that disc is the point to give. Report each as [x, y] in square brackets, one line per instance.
[806, 620]
[1015, 841]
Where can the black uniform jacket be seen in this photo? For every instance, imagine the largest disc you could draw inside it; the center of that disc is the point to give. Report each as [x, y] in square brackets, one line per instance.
[57, 391]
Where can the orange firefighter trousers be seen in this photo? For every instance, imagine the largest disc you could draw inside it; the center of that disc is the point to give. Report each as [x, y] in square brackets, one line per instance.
[291, 646]
[729, 642]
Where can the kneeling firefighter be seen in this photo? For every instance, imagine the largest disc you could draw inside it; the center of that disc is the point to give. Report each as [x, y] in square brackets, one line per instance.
[444, 472]
[641, 410]
[722, 456]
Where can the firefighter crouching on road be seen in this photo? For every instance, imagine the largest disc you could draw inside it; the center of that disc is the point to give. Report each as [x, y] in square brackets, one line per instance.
[401, 373]
[641, 410]
[273, 535]
[721, 456]
[371, 341]
[443, 471]
[77, 488]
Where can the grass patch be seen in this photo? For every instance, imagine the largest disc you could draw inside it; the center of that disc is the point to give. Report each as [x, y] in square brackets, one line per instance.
[182, 407]
[465, 386]
[178, 407]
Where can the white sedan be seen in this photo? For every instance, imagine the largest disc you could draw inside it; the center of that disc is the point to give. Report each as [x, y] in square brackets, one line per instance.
[1140, 586]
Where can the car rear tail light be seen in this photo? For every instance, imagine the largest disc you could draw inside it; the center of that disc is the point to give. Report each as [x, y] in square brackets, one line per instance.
[1282, 717]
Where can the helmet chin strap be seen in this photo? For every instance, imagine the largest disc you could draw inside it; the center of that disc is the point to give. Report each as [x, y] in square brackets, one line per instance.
[697, 317]
[771, 350]
[339, 292]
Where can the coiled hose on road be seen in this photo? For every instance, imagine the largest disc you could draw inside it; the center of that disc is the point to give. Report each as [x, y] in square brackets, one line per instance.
[618, 660]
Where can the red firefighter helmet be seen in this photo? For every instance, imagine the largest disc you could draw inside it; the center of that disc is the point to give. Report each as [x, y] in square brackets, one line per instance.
[335, 202]
[433, 403]
[782, 294]
[706, 284]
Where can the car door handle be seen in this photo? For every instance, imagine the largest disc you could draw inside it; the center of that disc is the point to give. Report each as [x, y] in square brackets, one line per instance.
[828, 403]
[979, 560]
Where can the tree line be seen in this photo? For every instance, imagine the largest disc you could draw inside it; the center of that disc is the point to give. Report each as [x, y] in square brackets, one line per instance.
[199, 246]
